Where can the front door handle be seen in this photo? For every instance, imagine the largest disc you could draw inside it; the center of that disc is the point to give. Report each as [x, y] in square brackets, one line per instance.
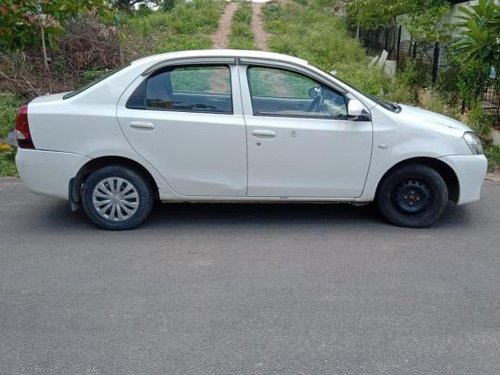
[264, 133]
[142, 125]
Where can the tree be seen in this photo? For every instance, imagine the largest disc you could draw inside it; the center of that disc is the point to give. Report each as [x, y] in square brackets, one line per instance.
[479, 33]
[371, 14]
[422, 17]
[28, 23]
[426, 22]
[22, 21]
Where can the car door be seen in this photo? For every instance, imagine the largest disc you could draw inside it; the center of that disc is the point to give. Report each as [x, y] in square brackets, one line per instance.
[186, 121]
[300, 141]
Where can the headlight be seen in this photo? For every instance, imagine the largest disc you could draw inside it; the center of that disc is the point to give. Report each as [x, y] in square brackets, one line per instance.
[474, 143]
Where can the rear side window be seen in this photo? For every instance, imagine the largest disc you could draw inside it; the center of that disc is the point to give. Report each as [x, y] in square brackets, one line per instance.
[186, 88]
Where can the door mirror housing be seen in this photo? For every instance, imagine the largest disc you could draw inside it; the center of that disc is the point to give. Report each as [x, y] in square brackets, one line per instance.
[314, 92]
[356, 111]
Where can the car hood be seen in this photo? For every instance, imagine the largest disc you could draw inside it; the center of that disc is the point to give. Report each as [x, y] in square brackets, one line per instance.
[423, 116]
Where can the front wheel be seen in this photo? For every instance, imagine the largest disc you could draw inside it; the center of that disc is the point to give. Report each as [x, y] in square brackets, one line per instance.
[412, 196]
[117, 198]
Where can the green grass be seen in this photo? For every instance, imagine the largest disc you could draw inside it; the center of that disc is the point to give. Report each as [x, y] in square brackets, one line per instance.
[187, 26]
[9, 105]
[241, 36]
[317, 35]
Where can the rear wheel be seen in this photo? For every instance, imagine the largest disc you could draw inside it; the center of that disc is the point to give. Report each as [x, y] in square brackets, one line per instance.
[412, 196]
[117, 198]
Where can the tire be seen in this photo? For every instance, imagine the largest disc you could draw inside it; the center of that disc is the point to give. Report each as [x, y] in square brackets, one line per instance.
[117, 198]
[412, 196]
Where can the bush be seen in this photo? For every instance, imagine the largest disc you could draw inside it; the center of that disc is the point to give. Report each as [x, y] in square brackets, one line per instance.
[9, 105]
[482, 125]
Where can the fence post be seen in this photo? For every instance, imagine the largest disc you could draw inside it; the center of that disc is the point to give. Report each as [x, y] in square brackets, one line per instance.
[435, 63]
[414, 55]
[386, 45]
[399, 46]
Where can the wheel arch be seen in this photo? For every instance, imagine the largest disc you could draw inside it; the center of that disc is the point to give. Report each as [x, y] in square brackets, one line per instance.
[76, 182]
[447, 173]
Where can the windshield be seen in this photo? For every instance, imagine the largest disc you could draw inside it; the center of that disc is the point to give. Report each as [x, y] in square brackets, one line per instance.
[92, 83]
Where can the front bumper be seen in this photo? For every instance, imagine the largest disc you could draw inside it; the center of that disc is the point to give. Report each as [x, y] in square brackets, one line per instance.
[48, 172]
[471, 171]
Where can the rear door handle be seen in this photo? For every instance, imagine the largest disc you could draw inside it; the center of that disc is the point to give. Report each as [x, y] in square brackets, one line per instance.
[142, 125]
[264, 133]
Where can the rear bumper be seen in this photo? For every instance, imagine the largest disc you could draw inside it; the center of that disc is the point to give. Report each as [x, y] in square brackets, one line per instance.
[48, 172]
[471, 171]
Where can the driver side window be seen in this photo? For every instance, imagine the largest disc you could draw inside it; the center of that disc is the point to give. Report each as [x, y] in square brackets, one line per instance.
[280, 92]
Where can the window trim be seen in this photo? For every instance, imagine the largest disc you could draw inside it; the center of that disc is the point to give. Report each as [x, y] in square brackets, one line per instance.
[142, 87]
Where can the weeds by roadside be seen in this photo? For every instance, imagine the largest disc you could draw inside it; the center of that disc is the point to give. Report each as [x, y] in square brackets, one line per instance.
[9, 105]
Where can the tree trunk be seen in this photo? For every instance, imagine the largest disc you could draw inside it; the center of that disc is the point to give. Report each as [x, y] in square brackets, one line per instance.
[45, 57]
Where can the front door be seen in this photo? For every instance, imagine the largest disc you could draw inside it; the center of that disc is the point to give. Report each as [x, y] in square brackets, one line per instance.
[300, 140]
[187, 123]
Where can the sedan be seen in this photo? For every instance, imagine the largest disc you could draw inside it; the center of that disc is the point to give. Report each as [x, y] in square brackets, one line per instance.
[234, 125]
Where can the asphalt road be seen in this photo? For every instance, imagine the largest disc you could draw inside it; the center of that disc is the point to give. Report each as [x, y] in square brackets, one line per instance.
[248, 289]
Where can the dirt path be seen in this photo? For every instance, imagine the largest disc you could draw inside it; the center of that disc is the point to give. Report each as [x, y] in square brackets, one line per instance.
[259, 34]
[221, 38]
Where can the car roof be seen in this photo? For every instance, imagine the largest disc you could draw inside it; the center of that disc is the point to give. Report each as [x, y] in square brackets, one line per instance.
[219, 53]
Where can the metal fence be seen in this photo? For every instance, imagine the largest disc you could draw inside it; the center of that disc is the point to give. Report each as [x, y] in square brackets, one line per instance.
[431, 59]
[434, 57]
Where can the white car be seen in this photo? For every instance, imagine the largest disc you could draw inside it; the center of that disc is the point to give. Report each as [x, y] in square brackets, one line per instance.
[233, 125]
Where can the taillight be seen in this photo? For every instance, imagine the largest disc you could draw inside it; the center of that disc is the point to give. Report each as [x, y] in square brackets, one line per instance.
[23, 134]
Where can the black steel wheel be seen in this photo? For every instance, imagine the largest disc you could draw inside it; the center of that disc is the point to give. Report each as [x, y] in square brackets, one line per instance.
[412, 196]
[117, 198]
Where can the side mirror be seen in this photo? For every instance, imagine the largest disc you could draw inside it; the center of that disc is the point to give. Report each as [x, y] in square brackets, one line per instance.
[314, 92]
[356, 111]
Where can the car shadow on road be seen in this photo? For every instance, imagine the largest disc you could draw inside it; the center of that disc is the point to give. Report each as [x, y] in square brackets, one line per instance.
[169, 216]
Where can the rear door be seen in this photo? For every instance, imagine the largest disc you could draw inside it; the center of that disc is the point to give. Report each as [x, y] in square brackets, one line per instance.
[187, 122]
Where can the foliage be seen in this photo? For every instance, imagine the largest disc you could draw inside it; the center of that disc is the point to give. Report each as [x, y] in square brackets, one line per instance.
[186, 26]
[482, 124]
[320, 37]
[426, 24]
[7, 164]
[471, 80]
[404, 87]
[371, 14]
[85, 44]
[168, 5]
[9, 105]
[21, 21]
[241, 36]
[492, 152]
[479, 33]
